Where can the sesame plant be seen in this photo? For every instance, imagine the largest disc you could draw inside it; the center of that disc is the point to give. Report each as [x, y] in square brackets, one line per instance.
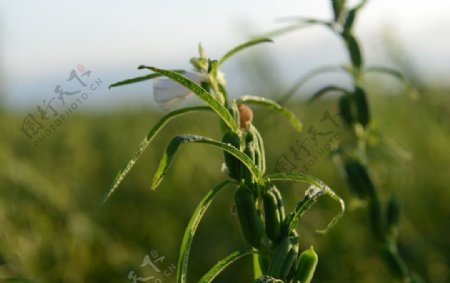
[270, 233]
[353, 155]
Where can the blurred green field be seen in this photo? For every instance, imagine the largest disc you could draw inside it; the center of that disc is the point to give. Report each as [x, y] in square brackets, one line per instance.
[52, 229]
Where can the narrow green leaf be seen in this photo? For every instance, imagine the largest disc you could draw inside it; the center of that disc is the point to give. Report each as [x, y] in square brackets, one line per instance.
[338, 6]
[349, 21]
[396, 74]
[243, 46]
[354, 51]
[224, 263]
[248, 99]
[388, 71]
[312, 74]
[145, 142]
[299, 22]
[299, 177]
[201, 93]
[140, 79]
[191, 228]
[172, 148]
[327, 89]
[319, 189]
[351, 16]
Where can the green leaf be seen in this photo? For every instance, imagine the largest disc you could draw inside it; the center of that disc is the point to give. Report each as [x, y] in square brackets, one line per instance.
[299, 177]
[354, 51]
[201, 93]
[327, 89]
[249, 99]
[311, 196]
[312, 74]
[224, 263]
[394, 73]
[338, 7]
[351, 16]
[140, 79]
[145, 142]
[172, 148]
[243, 46]
[300, 22]
[191, 228]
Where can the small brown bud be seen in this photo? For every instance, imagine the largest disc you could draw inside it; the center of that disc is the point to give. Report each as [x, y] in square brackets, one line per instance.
[246, 116]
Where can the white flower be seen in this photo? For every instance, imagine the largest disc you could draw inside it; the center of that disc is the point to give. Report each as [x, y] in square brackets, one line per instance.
[168, 93]
[221, 78]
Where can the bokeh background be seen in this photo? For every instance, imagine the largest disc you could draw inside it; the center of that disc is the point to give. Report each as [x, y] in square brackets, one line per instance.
[51, 226]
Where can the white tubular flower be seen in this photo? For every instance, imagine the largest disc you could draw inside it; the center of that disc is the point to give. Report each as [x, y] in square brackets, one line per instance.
[168, 93]
[221, 78]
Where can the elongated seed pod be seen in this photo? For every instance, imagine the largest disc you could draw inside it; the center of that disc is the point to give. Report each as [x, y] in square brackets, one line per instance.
[393, 212]
[260, 157]
[264, 261]
[251, 224]
[395, 263]
[288, 263]
[346, 110]
[233, 164]
[281, 253]
[306, 266]
[376, 219]
[354, 50]
[245, 172]
[280, 202]
[272, 216]
[358, 179]
[362, 106]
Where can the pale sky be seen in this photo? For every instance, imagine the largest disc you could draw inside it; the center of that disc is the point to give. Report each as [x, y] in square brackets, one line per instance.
[41, 41]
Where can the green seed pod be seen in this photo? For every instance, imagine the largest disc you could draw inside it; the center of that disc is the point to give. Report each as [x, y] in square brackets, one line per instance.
[260, 158]
[393, 212]
[264, 261]
[251, 223]
[280, 202]
[376, 219]
[358, 179]
[267, 279]
[282, 253]
[272, 216]
[362, 106]
[354, 50]
[306, 266]
[289, 262]
[346, 110]
[245, 172]
[395, 263]
[233, 164]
